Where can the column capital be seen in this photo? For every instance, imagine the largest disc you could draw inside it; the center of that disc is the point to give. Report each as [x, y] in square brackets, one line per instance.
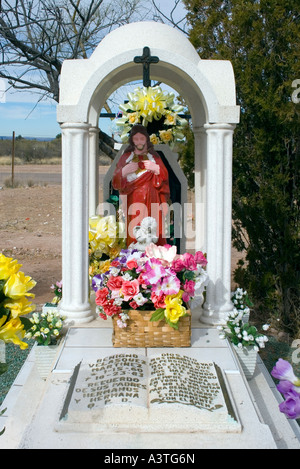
[219, 126]
[75, 126]
[94, 130]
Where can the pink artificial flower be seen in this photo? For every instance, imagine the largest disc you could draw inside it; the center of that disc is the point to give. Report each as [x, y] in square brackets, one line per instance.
[185, 297]
[115, 263]
[101, 297]
[166, 254]
[130, 288]
[133, 304]
[178, 264]
[200, 258]
[103, 316]
[170, 285]
[189, 287]
[115, 283]
[153, 271]
[189, 261]
[189, 290]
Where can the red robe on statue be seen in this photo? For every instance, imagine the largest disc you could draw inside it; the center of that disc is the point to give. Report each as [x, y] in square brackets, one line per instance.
[143, 194]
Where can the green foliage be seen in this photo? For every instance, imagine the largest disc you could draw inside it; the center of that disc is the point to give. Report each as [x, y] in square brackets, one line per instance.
[261, 39]
[31, 151]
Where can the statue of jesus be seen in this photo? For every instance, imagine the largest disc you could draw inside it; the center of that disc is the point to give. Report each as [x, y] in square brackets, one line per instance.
[143, 184]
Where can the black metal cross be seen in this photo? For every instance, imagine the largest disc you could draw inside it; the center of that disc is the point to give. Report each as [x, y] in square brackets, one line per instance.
[146, 60]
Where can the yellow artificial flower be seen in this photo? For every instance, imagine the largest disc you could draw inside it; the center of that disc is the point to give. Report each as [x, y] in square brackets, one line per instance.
[166, 135]
[8, 266]
[104, 266]
[19, 307]
[154, 139]
[171, 118]
[174, 310]
[133, 118]
[18, 285]
[177, 297]
[13, 331]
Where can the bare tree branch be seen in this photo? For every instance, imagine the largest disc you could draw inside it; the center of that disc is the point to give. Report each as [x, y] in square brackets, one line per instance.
[171, 17]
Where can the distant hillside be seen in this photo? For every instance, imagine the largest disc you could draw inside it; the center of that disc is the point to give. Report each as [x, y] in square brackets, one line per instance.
[41, 139]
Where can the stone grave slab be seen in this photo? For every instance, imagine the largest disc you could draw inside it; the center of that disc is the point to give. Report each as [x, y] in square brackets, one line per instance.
[166, 392]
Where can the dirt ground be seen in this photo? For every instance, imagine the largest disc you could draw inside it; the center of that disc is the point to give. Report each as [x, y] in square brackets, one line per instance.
[30, 231]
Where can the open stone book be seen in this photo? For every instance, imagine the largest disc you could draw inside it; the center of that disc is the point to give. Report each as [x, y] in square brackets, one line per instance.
[168, 392]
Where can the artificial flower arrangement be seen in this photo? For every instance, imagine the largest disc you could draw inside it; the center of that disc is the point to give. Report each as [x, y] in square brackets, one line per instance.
[239, 332]
[289, 387]
[106, 239]
[45, 328]
[154, 109]
[158, 278]
[57, 289]
[14, 301]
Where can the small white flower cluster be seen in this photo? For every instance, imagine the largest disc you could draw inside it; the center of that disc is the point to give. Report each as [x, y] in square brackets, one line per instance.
[45, 327]
[122, 322]
[241, 333]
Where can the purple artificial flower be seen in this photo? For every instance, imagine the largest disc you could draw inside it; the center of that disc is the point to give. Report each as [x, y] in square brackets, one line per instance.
[286, 386]
[97, 281]
[283, 370]
[291, 406]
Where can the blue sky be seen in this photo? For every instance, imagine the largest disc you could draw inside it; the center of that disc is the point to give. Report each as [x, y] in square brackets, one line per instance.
[21, 111]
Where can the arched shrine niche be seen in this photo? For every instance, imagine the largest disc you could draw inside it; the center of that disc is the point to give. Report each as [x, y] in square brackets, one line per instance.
[209, 89]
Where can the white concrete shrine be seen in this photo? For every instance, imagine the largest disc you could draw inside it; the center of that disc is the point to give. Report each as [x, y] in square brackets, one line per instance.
[208, 87]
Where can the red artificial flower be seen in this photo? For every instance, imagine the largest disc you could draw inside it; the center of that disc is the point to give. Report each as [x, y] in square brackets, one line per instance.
[115, 283]
[158, 301]
[132, 264]
[101, 297]
[110, 308]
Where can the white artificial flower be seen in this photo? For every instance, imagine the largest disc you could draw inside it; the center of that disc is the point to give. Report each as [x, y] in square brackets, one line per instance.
[140, 299]
[114, 271]
[127, 276]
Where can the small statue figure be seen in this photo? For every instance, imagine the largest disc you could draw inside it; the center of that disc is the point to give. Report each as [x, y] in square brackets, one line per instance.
[143, 184]
[145, 234]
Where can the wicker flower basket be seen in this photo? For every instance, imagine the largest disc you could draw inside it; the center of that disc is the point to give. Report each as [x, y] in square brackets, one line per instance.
[141, 332]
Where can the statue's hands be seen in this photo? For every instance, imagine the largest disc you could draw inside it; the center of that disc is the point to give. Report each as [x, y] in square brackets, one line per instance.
[129, 169]
[151, 166]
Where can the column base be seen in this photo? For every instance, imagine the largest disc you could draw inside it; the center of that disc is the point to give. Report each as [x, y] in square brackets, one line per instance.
[77, 315]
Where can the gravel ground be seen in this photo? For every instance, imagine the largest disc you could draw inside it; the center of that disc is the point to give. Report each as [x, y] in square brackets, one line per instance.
[15, 358]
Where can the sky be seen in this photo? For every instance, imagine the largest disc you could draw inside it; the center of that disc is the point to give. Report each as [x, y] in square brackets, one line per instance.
[23, 113]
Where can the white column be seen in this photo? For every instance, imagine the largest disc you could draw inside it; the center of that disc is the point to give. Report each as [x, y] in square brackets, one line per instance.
[200, 188]
[93, 170]
[218, 222]
[75, 303]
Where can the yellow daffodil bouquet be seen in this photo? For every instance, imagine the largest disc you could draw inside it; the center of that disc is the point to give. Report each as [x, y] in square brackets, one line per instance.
[14, 301]
[106, 239]
[156, 110]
